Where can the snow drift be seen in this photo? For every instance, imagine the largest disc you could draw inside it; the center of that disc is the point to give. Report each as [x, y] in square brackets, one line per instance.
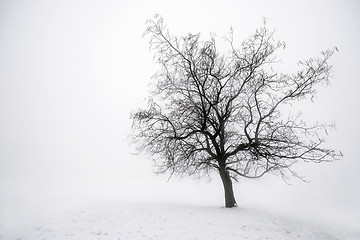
[136, 220]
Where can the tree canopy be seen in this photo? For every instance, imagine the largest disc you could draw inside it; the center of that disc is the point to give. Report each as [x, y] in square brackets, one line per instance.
[223, 111]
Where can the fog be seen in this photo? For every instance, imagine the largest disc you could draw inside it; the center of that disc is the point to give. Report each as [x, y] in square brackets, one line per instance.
[71, 72]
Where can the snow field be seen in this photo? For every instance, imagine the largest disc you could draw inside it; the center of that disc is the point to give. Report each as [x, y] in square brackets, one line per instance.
[137, 221]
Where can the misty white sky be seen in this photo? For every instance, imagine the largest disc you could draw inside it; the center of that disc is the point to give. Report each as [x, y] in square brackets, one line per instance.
[72, 71]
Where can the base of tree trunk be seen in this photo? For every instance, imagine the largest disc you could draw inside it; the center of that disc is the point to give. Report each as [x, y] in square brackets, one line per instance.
[230, 201]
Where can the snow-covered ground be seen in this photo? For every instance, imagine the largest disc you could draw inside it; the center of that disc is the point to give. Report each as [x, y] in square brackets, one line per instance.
[120, 220]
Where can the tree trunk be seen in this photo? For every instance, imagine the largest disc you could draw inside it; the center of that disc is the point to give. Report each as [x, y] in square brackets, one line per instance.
[228, 189]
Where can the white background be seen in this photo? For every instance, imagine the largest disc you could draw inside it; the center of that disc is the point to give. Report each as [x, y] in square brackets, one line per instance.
[71, 72]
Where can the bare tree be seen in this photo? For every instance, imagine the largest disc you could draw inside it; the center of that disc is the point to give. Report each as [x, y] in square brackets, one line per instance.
[211, 111]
